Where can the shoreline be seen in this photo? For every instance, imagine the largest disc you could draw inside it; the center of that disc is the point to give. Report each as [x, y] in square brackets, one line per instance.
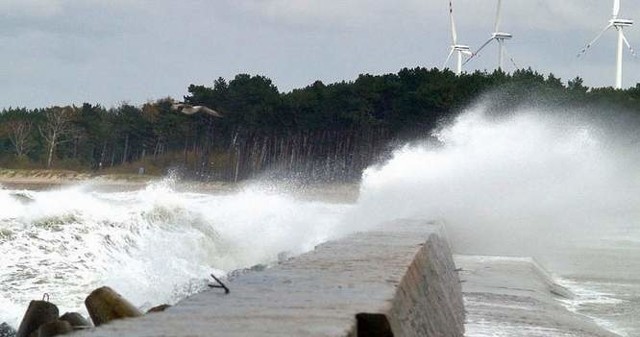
[49, 179]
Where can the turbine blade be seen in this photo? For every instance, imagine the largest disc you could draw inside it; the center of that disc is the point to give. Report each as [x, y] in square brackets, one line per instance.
[478, 51]
[498, 17]
[448, 58]
[510, 57]
[584, 50]
[454, 34]
[616, 8]
[633, 52]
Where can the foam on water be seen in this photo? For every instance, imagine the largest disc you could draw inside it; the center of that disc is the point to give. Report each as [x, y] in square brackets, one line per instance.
[154, 245]
[586, 295]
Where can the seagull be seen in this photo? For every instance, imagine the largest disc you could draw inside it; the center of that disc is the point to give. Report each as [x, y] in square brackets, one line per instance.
[188, 109]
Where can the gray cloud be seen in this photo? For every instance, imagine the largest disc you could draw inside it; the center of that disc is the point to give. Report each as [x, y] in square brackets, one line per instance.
[71, 51]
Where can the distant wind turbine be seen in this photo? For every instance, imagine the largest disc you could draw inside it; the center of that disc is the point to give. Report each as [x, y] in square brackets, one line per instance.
[499, 37]
[619, 25]
[456, 48]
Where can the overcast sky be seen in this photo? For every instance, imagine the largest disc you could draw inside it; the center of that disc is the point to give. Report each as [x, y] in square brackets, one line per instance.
[110, 51]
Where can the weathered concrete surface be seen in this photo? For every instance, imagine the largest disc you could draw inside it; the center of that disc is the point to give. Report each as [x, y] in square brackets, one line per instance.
[516, 297]
[400, 279]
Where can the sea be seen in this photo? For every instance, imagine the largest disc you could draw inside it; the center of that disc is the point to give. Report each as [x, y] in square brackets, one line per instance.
[555, 185]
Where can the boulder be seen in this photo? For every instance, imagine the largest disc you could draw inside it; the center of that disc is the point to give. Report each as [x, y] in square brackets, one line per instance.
[105, 305]
[38, 313]
[54, 328]
[76, 320]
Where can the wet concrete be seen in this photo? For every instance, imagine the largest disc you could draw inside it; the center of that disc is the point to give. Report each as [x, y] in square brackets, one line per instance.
[398, 281]
[517, 297]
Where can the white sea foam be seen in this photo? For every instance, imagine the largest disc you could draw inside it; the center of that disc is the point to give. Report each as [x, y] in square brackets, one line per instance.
[153, 245]
[588, 299]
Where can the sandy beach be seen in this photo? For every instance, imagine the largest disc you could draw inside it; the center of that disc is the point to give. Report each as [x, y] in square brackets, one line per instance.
[47, 179]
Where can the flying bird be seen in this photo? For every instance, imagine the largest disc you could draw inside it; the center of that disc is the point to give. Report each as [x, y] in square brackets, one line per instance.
[188, 109]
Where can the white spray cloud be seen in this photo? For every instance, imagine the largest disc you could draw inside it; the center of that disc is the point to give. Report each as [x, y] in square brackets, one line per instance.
[521, 185]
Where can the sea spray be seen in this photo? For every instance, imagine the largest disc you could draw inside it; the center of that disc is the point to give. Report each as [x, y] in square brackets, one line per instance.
[518, 184]
[154, 245]
[559, 185]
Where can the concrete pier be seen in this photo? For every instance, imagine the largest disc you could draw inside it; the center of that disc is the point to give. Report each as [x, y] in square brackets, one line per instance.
[506, 296]
[397, 281]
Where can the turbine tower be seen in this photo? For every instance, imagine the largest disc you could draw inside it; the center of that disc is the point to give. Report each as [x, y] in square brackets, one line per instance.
[500, 38]
[619, 25]
[456, 48]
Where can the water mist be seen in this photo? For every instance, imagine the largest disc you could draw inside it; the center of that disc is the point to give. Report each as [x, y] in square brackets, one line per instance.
[527, 183]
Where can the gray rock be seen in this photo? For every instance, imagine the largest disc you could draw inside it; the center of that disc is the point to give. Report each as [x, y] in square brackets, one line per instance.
[105, 305]
[54, 328]
[38, 313]
[76, 320]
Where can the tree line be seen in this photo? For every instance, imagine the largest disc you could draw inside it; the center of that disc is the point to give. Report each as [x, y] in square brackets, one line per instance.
[322, 131]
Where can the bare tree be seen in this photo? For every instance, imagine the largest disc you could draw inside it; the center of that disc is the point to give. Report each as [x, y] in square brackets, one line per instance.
[19, 133]
[56, 124]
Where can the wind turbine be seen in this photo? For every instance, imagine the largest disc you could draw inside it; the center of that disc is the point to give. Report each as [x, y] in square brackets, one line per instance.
[456, 48]
[500, 38]
[619, 25]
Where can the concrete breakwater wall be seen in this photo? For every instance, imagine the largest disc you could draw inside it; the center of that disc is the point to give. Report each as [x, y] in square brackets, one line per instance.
[399, 280]
[515, 296]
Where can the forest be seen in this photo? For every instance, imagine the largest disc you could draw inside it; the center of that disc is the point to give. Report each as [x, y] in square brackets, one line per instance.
[327, 132]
